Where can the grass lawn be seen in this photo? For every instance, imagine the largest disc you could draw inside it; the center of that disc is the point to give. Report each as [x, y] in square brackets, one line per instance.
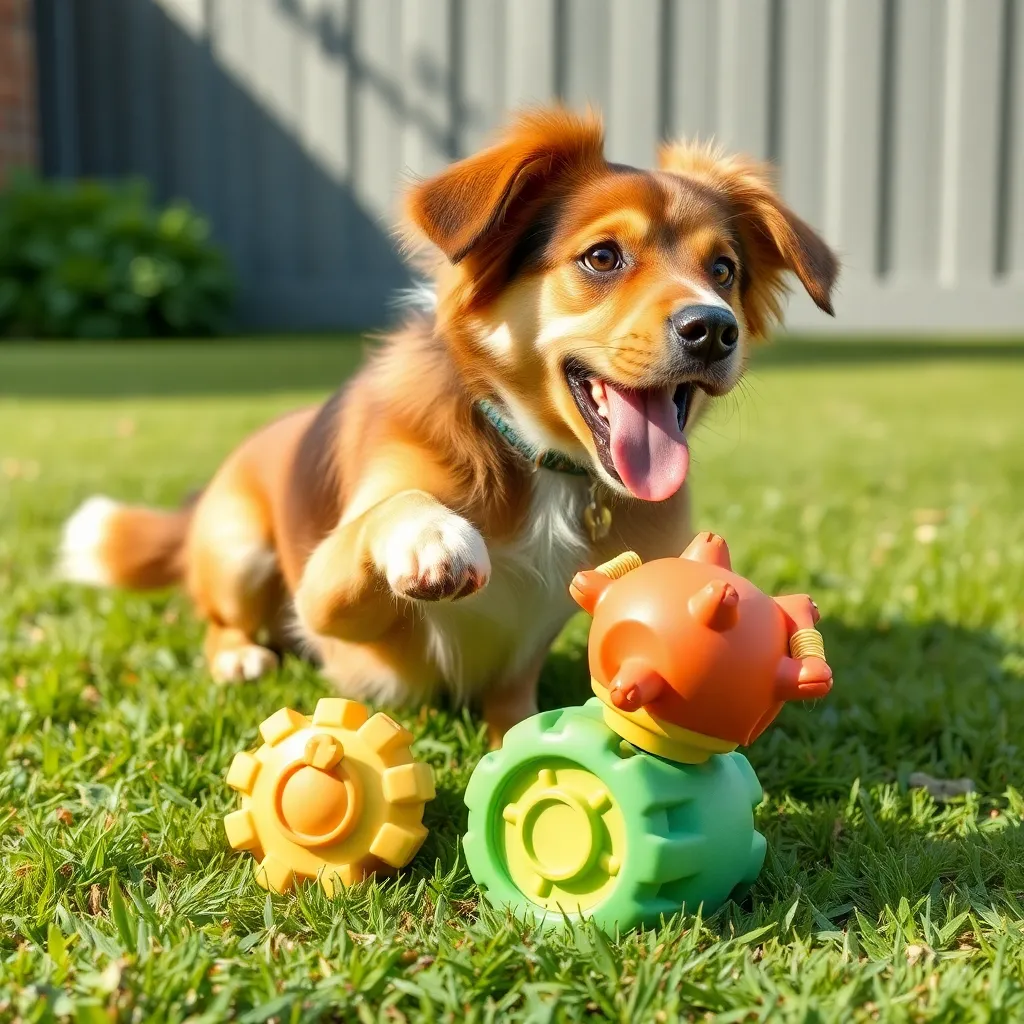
[886, 480]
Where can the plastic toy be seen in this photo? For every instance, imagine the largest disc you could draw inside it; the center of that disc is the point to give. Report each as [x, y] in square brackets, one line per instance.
[638, 803]
[335, 798]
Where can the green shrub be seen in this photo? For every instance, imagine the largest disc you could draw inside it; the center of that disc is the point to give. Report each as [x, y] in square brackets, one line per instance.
[94, 260]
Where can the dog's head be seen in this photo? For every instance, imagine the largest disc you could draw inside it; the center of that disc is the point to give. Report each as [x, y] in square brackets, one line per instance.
[603, 305]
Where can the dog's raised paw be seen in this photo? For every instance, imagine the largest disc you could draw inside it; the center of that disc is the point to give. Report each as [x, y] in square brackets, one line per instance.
[242, 664]
[435, 556]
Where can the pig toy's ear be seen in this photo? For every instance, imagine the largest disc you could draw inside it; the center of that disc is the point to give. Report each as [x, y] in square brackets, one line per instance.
[588, 586]
[800, 611]
[710, 549]
[716, 606]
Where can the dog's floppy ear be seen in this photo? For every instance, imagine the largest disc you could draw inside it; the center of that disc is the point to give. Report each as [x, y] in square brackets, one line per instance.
[464, 207]
[773, 238]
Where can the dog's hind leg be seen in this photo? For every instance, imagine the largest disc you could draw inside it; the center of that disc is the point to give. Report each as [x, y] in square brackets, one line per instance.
[233, 656]
[234, 579]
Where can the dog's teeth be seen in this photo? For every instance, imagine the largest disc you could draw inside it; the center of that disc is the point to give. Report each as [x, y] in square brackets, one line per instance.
[600, 396]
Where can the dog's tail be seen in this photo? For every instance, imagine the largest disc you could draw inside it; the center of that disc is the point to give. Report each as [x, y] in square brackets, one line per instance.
[107, 544]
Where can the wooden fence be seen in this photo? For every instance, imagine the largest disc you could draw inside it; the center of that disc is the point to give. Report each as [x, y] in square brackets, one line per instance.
[897, 126]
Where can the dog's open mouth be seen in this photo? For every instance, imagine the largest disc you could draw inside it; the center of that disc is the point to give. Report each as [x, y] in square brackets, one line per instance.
[638, 432]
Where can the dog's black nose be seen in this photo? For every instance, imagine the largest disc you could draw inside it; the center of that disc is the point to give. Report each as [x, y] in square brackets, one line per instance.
[705, 332]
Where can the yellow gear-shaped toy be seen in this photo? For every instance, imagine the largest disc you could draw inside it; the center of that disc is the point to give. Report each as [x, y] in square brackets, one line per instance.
[334, 797]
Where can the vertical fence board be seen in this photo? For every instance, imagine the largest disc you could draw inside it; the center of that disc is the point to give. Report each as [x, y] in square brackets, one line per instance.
[141, 127]
[853, 132]
[914, 235]
[482, 78]
[232, 54]
[95, 89]
[970, 142]
[802, 112]
[427, 137]
[530, 58]
[380, 111]
[1012, 269]
[276, 54]
[693, 86]
[325, 134]
[742, 81]
[191, 150]
[587, 74]
[634, 108]
[58, 53]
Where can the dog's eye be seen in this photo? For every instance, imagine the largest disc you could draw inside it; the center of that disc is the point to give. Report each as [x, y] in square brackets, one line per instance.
[602, 258]
[723, 270]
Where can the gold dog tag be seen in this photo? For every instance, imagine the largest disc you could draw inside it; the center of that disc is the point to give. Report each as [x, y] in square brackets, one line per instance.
[597, 517]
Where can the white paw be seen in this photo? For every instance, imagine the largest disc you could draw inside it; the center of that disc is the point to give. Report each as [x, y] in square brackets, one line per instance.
[242, 664]
[435, 556]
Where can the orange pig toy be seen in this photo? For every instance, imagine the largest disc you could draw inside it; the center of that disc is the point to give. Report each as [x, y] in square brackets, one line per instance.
[638, 803]
[690, 659]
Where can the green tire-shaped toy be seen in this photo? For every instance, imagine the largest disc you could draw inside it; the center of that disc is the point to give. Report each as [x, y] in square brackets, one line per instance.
[567, 820]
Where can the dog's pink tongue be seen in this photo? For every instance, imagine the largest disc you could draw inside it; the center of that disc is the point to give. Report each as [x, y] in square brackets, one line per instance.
[647, 447]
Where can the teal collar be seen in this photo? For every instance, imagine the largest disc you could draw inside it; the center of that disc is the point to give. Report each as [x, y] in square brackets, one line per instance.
[555, 461]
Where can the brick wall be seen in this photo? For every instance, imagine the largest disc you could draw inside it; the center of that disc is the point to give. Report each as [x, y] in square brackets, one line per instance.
[18, 125]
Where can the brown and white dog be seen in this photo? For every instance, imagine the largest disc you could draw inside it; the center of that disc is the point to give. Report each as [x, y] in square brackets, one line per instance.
[418, 530]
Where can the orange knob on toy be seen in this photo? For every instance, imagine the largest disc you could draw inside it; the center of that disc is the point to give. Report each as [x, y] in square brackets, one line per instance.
[316, 801]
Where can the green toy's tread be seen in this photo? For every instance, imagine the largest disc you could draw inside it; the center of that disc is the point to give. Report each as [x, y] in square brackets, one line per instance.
[668, 834]
[750, 780]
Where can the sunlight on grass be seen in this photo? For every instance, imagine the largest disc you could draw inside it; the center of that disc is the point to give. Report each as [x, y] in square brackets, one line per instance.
[891, 489]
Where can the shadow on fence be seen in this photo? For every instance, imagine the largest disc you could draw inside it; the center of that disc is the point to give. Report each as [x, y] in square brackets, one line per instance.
[126, 90]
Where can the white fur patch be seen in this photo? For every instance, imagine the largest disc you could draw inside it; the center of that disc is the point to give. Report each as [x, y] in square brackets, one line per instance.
[553, 542]
[500, 341]
[242, 552]
[554, 329]
[253, 563]
[421, 295]
[79, 557]
[706, 297]
[490, 637]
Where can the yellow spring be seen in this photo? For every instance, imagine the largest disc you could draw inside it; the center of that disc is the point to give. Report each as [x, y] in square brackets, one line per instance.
[807, 643]
[620, 565]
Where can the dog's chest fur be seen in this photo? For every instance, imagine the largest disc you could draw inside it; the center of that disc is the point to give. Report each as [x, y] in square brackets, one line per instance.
[487, 639]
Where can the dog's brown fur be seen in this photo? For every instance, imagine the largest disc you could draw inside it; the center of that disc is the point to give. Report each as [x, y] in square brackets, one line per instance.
[356, 525]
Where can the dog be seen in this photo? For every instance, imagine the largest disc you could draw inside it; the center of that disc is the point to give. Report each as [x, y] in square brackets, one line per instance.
[416, 533]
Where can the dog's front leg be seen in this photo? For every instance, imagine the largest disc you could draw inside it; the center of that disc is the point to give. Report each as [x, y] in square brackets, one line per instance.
[409, 546]
[513, 701]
